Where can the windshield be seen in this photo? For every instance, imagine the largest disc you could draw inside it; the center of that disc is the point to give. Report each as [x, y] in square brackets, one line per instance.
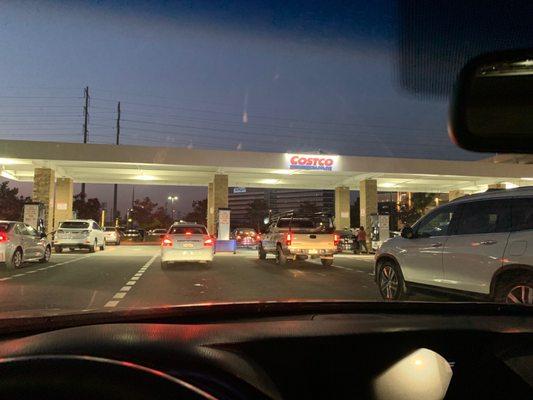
[74, 225]
[4, 227]
[298, 142]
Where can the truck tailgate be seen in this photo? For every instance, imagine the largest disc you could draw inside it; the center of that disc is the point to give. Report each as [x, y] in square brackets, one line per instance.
[309, 241]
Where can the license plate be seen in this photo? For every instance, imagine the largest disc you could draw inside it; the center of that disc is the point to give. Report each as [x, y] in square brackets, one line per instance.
[313, 251]
[188, 245]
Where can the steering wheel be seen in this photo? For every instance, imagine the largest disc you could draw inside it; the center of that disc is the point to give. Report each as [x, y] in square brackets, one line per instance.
[83, 377]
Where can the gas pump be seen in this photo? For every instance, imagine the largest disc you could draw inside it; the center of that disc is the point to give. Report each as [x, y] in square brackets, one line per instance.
[379, 230]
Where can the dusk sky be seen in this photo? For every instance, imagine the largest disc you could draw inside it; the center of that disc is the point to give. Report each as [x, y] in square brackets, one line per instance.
[222, 75]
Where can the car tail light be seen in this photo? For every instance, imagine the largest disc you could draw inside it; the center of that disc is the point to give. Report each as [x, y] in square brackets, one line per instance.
[188, 233]
[336, 239]
[167, 242]
[258, 237]
[3, 237]
[239, 237]
[208, 241]
[288, 238]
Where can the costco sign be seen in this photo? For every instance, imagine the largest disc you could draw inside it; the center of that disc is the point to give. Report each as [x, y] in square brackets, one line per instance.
[318, 162]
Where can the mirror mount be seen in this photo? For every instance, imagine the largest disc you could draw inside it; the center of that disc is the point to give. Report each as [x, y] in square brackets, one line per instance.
[490, 103]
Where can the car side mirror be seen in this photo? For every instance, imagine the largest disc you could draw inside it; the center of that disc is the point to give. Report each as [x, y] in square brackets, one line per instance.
[407, 232]
[491, 106]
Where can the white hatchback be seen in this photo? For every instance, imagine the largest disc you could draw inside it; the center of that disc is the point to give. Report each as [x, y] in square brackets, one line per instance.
[187, 243]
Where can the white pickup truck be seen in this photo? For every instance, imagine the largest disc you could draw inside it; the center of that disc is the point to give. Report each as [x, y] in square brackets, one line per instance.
[292, 238]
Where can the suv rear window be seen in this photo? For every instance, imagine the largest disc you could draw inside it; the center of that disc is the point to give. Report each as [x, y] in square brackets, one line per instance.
[109, 229]
[522, 214]
[75, 225]
[182, 230]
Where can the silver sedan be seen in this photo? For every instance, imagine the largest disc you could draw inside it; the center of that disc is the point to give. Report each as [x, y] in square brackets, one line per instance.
[20, 242]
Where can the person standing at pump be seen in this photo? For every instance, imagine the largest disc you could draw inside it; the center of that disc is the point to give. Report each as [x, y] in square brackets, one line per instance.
[361, 239]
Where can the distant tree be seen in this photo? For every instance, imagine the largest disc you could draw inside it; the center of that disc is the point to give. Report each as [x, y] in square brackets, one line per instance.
[308, 207]
[11, 203]
[143, 213]
[257, 211]
[86, 208]
[161, 218]
[198, 213]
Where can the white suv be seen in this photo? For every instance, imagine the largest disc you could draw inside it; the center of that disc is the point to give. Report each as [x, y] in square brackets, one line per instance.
[79, 234]
[480, 245]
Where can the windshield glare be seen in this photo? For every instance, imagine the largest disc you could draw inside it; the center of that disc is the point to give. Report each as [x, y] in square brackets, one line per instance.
[298, 143]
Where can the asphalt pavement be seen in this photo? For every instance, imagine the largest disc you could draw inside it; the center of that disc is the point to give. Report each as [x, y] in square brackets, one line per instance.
[131, 276]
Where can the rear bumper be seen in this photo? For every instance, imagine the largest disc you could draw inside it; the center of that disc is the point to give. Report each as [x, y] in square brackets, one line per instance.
[176, 255]
[85, 243]
[311, 252]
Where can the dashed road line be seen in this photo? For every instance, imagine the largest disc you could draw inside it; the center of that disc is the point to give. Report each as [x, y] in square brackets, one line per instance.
[131, 281]
[43, 268]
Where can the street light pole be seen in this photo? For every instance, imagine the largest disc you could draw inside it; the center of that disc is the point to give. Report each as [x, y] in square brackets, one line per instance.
[172, 199]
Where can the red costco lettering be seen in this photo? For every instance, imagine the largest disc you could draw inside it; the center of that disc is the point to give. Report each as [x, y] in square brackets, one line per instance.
[328, 162]
[294, 159]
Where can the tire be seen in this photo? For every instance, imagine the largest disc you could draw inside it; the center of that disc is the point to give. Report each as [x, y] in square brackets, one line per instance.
[516, 290]
[326, 262]
[117, 243]
[261, 252]
[58, 249]
[16, 260]
[92, 249]
[46, 255]
[391, 284]
[102, 247]
[281, 258]
[164, 265]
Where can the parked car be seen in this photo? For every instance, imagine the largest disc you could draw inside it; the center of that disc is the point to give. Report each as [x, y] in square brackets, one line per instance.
[154, 235]
[20, 242]
[245, 237]
[79, 234]
[112, 235]
[133, 235]
[292, 238]
[187, 243]
[479, 245]
[347, 241]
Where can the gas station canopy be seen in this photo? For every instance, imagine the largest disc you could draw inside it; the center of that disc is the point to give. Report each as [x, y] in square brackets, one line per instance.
[126, 164]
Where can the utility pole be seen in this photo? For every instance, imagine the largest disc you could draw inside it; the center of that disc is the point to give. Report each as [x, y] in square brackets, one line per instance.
[115, 188]
[85, 126]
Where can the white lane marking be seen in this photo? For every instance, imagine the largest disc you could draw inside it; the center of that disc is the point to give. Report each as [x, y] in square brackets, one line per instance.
[125, 289]
[45, 268]
[131, 283]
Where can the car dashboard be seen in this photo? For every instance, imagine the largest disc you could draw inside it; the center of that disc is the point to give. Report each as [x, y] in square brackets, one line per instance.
[313, 356]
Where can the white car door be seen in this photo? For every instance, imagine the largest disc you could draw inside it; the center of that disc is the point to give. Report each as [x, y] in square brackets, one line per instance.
[421, 257]
[475, 250]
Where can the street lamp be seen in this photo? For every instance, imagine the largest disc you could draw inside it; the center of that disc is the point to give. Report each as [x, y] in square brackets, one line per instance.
[172, 199]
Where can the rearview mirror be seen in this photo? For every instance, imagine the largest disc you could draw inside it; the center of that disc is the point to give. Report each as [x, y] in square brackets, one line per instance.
[407, 232]
[491, 107]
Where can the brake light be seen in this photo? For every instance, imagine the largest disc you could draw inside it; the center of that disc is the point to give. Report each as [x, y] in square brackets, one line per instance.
[3, 237]
[188, 233]
[166, 242]
[239, 237]
[288, 238]
[336, 239]
[258, 237]
[208, 241]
